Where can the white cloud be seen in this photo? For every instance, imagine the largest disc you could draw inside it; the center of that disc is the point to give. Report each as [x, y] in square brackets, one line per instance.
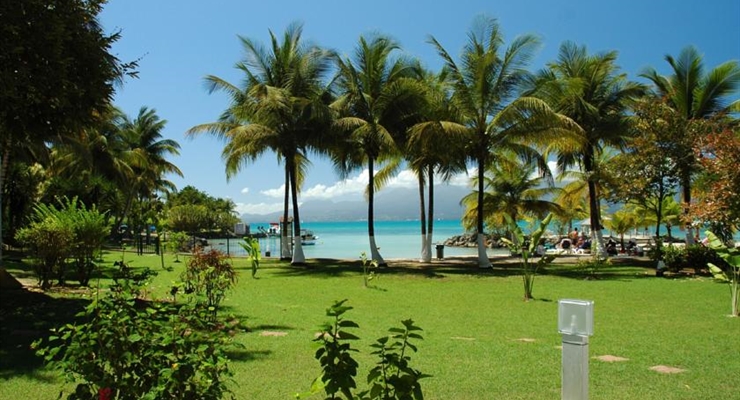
[352, 187]
[258, 208]
[278, 193]
[245, 190]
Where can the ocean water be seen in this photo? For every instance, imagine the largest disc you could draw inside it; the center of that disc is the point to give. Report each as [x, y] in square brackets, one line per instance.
[346, 240]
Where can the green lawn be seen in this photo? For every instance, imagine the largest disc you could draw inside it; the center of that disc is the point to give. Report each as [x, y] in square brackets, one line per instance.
[473, 321]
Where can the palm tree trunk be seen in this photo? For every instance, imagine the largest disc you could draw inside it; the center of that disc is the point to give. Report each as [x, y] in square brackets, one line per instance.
[483, 261]
[284, 241]
[3, 168]
[426, 254]
[430, 214]
[374, 253]
[597, 236]
[686, 188]
[298, 257]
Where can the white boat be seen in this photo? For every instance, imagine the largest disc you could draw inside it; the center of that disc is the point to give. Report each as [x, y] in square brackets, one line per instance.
[308, 238]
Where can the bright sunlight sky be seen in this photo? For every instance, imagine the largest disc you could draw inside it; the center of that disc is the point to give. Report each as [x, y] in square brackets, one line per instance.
[181, 41]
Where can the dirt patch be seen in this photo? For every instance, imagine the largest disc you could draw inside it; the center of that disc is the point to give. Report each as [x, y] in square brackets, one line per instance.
[526, 340]
[273, 333]
[462, 338]
[664, 369]
[611, 358]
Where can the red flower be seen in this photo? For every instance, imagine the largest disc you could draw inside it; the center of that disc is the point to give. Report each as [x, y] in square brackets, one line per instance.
[105, 393]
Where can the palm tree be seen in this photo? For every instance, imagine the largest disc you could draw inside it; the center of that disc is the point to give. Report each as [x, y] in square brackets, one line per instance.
[512, 192]
[435, 146]
[378, 95]
[281, 107]
[147, 155]
[621, 222]
[589, 90]
[485, 82]
[694, 95]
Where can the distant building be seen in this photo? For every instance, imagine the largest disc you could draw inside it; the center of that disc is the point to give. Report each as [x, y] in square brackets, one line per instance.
[240, 228]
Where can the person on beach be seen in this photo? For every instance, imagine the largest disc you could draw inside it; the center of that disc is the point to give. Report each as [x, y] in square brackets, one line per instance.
[573, 235]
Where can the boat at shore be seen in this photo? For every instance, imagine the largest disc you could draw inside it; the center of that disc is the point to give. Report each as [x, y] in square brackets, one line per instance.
[308, 238]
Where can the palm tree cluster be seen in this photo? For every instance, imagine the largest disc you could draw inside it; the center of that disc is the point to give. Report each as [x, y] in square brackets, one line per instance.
[378, 110]
[119, 164]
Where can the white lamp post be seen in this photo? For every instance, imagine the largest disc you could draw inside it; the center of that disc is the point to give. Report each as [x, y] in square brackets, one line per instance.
[575, 324]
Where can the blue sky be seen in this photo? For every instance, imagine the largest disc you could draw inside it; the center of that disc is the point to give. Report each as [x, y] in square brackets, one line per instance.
[181, 41]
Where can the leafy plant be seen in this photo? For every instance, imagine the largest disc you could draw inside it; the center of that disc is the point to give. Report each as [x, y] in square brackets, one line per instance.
[527, 248]
[252, 247]
[368, 267]
[126, 348]
[208, 276]
[732, 274]
[391, 378]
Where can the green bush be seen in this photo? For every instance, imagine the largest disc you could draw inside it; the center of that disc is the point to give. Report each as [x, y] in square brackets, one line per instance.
[71, 230]
[50, 242]
[127, 348]
[694, 257]
[208, 276]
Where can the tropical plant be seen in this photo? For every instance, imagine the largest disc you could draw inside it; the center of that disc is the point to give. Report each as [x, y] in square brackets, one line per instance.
[378, 95]
[368, 267]
[527, 247]
[252, 247]
[485, 82]
[731, 274]
[281, 107]
[589, 90]
[694, 95]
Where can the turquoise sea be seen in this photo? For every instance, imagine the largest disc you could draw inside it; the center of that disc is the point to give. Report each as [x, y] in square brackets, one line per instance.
[346, 240]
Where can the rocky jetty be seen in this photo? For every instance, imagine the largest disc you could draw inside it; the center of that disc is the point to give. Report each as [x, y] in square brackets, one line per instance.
[469, 240]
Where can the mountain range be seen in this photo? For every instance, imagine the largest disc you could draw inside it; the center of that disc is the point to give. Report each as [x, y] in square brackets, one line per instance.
[398, 204]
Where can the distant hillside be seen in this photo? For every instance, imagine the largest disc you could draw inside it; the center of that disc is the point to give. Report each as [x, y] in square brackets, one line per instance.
[390, 205]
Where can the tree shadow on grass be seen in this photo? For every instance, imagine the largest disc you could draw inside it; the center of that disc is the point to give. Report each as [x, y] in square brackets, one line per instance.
[247, 355]
[622, 269]
[26, 316]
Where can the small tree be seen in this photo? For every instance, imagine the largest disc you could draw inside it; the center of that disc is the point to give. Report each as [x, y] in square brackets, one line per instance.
[527, 248]
[732, 273]
[177, 242]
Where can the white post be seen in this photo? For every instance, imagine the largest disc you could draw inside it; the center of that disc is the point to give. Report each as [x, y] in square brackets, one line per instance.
[575, 324]
[575, 367]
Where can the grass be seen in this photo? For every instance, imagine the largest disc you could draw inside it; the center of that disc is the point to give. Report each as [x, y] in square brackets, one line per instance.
[473, 321]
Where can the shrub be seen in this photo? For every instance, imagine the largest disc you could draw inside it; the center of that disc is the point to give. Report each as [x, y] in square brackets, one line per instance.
[50, 241]
[208, 276]
[126, 348]
[48, 236]
[695, 256]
